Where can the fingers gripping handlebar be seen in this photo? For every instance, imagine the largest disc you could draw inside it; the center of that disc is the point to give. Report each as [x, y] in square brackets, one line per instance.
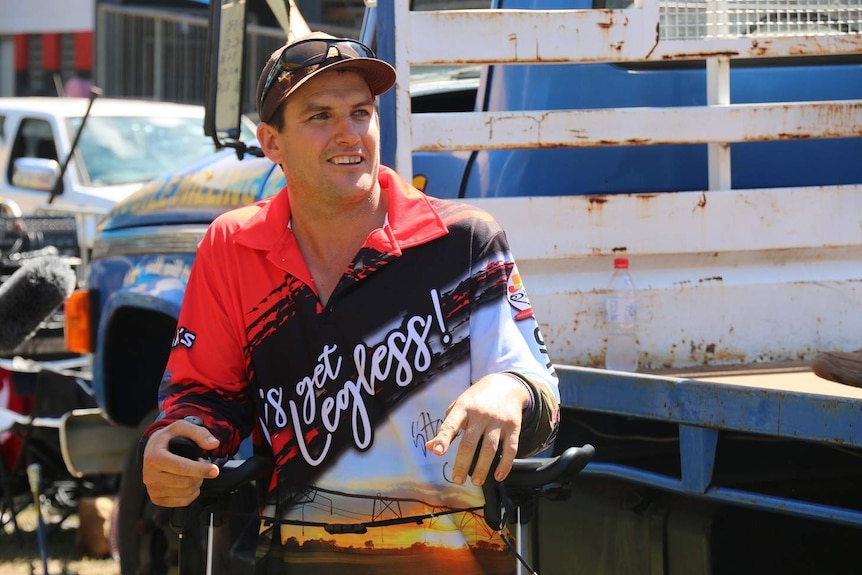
[232, 476]
[187, 448]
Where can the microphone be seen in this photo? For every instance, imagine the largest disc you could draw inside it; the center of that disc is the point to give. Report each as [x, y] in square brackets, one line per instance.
[30, 295]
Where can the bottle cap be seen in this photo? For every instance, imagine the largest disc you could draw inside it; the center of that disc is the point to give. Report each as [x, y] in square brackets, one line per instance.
[621, 263]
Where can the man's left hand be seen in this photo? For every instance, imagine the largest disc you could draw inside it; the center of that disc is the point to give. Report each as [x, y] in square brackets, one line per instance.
[488, 413]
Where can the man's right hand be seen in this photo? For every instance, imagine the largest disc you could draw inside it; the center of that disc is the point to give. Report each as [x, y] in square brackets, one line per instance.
[172, 480]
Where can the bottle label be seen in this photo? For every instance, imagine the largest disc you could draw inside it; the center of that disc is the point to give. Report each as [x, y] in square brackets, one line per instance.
[621, 310]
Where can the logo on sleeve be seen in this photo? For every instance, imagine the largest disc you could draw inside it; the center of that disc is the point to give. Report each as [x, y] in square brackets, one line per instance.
[184, 338]
[518, 296]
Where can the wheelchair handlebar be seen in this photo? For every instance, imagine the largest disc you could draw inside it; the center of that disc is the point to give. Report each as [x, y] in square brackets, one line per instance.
[539, 471]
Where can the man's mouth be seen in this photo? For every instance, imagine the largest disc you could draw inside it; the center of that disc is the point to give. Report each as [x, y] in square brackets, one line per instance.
[348, 160]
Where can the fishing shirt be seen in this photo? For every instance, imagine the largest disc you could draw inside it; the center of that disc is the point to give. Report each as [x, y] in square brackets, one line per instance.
[344, 396]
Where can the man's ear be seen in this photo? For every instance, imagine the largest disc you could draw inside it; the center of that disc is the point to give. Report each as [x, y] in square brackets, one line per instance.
[266, 136]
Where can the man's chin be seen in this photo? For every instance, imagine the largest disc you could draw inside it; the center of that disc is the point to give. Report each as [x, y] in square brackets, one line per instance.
[363, 180]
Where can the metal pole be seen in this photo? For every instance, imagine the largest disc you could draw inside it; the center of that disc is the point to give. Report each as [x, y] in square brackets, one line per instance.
[34, 477]
[158, 59]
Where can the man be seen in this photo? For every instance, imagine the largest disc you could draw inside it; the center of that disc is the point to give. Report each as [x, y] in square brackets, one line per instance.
[355, 327]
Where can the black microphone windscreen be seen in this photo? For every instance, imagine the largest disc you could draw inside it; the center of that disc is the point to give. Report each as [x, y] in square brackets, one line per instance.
[30, 295]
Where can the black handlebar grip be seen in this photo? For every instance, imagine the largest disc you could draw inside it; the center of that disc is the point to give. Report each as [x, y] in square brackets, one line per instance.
[184, 447]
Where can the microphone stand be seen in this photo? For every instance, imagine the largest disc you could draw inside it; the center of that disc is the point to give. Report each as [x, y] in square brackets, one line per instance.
[185, 447]
[34, 477]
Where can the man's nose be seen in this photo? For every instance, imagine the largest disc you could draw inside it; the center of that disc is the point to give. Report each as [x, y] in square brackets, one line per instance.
[346, 130]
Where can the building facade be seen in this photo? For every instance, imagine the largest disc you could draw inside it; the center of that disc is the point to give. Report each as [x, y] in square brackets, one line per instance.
[44, 44]
[150, 49]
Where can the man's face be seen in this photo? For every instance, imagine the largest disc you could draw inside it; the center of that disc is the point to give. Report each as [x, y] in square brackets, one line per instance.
[331, 138]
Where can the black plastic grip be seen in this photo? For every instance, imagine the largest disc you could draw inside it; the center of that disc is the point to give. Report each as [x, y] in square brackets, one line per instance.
[539, 471]
[184, 447]
[232, 477]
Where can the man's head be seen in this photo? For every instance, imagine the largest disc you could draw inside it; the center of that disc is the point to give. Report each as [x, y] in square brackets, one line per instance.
[296, 62]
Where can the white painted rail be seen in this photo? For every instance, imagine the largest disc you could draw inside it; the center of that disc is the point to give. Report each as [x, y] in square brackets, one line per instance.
[624, 35]
[725, 276]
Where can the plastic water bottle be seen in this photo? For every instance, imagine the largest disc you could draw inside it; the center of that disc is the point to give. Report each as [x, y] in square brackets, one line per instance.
[621, 316]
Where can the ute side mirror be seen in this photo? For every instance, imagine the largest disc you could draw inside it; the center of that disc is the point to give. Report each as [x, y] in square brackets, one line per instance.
[36, 174]
[225, 74]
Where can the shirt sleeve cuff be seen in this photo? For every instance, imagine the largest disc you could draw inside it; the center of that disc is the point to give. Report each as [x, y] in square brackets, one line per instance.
[532, 401]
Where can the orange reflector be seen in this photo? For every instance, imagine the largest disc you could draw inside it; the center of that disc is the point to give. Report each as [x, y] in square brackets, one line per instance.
[76, 312]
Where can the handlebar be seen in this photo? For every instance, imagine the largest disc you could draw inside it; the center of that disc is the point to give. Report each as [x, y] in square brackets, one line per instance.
[529, 478]
[527, 473]
[231, 476]
[536, 472]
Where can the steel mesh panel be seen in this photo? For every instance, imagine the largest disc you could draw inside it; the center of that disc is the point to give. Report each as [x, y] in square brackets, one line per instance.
[681, 19]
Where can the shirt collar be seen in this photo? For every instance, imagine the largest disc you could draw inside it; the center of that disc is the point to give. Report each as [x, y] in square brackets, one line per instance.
[411, 220]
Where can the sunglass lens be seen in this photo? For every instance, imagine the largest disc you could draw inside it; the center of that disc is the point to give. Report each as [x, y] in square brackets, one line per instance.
[310, 52]
[303, 54]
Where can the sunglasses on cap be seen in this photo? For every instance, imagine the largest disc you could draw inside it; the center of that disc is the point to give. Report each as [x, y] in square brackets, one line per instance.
[312, 52]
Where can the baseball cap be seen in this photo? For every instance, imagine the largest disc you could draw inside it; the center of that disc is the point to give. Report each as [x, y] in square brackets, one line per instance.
[296, 62]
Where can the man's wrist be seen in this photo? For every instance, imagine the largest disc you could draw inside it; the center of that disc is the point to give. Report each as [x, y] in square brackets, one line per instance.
[531, 401]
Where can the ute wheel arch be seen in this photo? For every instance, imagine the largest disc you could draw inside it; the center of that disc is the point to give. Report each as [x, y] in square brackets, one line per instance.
[133, 354]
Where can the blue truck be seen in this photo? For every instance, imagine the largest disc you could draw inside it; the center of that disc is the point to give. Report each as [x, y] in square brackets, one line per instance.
[714, 143]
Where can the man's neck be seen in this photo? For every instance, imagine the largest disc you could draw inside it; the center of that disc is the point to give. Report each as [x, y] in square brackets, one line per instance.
[330, 239]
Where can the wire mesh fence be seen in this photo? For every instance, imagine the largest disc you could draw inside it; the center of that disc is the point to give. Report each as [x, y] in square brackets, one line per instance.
[149, 54]
[156, 55]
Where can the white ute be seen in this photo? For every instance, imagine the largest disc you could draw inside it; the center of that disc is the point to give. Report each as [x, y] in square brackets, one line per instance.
[124, 143]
